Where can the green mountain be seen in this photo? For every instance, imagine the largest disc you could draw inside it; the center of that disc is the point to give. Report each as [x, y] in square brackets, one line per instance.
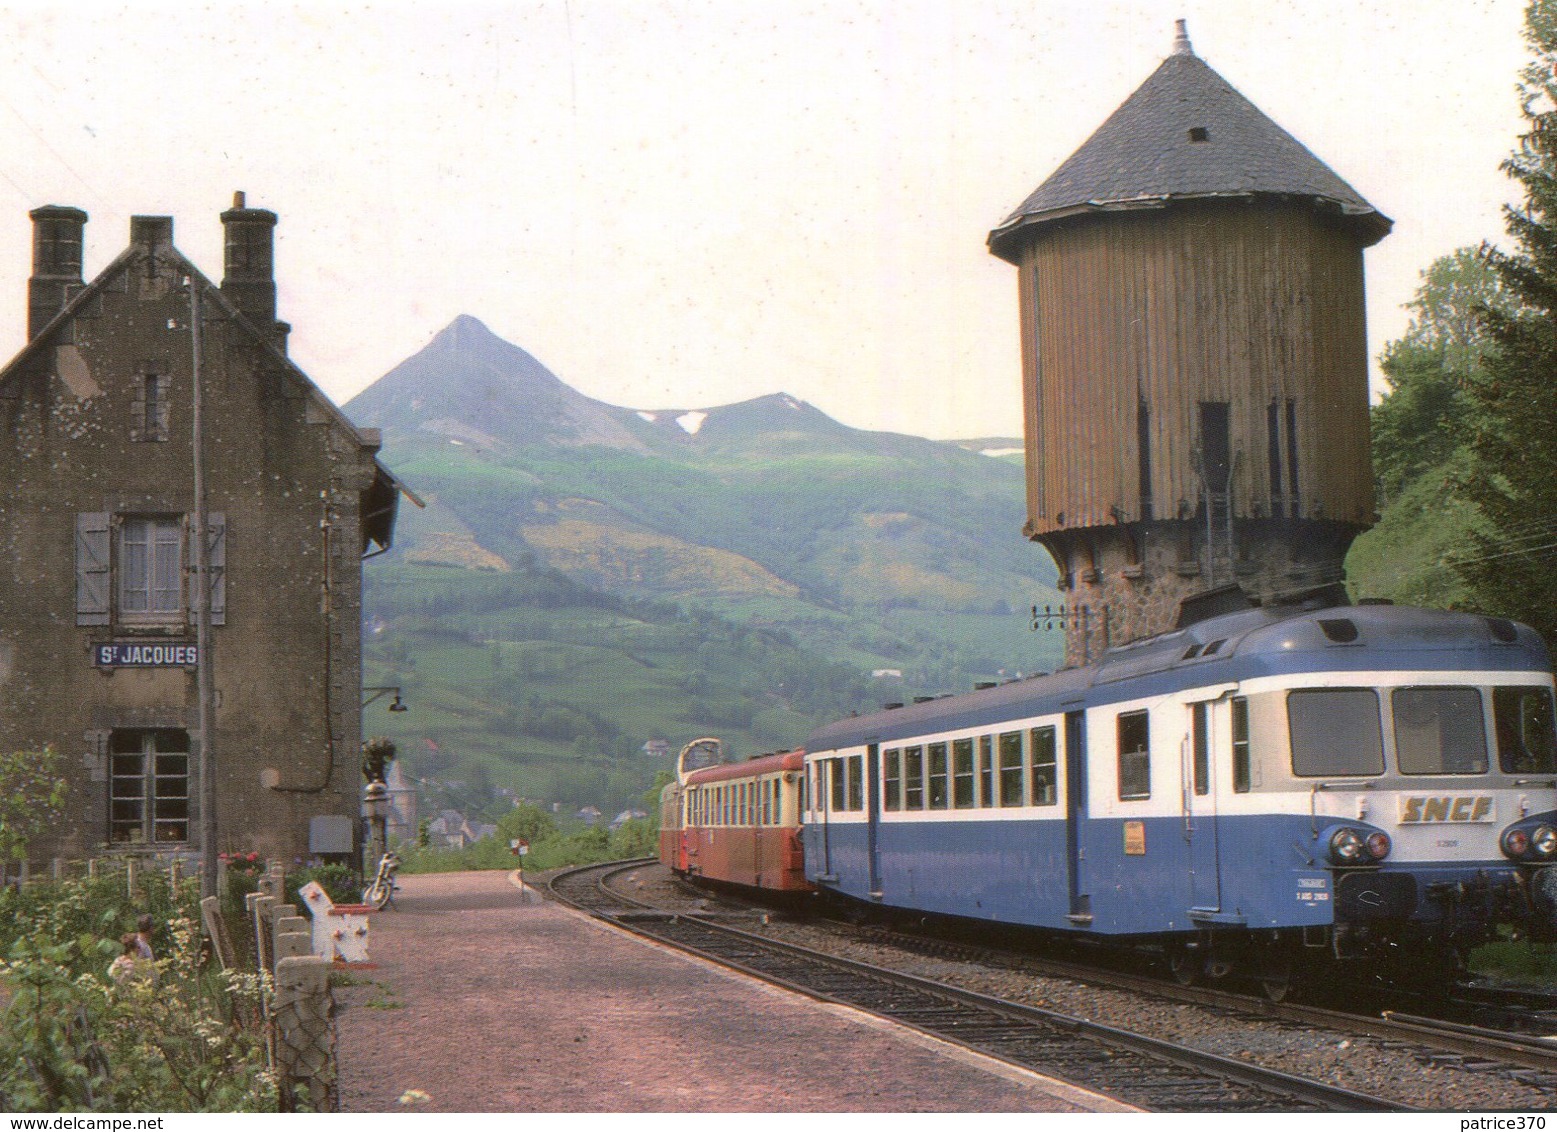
[554, 519]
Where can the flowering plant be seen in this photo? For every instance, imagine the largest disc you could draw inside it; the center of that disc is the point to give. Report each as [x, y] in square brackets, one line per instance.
[248, 863]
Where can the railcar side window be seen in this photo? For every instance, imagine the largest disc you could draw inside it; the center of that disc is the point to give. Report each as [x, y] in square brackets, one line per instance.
[1135, 755]
[987, 771]
[1439, 730]
[1240, 745]
[1200, 743]
[1335, 731]
[913, 778]
[839, 791]
[1042, 755]
[1527, 743]
[939, 794]
[962, 774]
[892, 778]
[856, 770]
[1011, 768]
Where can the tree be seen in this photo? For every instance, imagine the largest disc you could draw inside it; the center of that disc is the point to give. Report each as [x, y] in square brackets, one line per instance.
[526, 822]
[1509, 564]
[1432, 368]
[32, 798]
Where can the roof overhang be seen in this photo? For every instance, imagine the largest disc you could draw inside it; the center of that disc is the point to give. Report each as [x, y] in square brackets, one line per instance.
[1006, 241]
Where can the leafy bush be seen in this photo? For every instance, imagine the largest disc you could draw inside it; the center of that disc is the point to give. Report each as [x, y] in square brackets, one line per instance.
[549, 849]
[174, 1039]
[342, 882]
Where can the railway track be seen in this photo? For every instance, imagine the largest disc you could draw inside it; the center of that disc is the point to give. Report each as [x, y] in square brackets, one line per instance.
[1527, 1057]
[1139, 1070]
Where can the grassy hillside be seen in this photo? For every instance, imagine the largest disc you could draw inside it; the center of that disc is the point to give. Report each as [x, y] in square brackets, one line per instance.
[587, 577]
[527, 682]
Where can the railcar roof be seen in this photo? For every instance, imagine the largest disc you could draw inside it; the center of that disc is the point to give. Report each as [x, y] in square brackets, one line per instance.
[1231, 647]
[751, 768]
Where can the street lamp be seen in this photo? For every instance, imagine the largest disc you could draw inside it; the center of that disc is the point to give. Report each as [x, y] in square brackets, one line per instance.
[379, 692]
[375, 811]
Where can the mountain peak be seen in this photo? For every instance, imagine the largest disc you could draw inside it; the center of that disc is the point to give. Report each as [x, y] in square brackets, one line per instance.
[465, 331]
[471, 386]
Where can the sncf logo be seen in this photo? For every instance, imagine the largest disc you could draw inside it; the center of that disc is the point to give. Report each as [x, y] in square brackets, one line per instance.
[1470, 808]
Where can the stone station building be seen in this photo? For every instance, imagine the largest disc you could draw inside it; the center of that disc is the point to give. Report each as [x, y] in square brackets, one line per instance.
[99, 652]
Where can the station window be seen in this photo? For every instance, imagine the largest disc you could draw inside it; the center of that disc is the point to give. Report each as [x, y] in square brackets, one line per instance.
[1043, 760]
[940, 795]
[1011, 768]
[1135, 757]
[913, 778]
[987, 771]
[148, 786]
[962, 774]
[131, 569]
[892, 778]
[149, 411]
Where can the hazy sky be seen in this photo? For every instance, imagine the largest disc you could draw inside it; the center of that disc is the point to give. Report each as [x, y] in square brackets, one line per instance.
[679, 204]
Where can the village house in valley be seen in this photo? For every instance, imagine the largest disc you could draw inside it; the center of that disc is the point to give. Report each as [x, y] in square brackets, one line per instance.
[99, 637]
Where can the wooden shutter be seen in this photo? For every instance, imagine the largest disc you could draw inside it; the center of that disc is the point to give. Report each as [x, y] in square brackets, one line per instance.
[216, 564]
[93, 579]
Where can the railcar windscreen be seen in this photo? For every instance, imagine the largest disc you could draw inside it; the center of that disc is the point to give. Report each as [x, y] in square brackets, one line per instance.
[1335, 731]
[1439, 730]
[1527, 742]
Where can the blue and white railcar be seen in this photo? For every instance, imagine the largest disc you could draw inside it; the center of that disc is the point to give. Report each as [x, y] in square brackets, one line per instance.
[1259, 789]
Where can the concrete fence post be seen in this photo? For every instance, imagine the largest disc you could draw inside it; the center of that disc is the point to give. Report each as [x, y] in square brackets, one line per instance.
[259, 922]
[305, 1037]
[289, 945]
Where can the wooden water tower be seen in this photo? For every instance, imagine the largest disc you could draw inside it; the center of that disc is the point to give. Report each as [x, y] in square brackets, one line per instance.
[1194, 359]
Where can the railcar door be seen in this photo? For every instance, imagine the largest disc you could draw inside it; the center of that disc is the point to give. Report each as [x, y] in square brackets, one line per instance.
[873, 815]
[1075, 814]
[1200, 824]
[821, 796]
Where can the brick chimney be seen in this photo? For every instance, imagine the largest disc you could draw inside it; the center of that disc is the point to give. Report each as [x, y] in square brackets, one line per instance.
[56, 262]
[249, 280]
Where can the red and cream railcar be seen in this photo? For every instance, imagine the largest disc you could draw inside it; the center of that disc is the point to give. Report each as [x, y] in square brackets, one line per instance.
[695, 756]
[741, 824]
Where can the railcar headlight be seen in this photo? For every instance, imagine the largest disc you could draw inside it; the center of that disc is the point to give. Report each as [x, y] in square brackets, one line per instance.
[1544, 841]
[1347, 846]
[1378, 845]
[1516, 842]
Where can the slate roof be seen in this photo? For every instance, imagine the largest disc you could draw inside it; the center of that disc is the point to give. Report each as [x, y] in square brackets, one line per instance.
[1144, 156]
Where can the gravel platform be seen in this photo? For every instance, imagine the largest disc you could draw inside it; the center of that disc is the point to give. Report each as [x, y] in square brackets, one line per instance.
[482, 1000]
